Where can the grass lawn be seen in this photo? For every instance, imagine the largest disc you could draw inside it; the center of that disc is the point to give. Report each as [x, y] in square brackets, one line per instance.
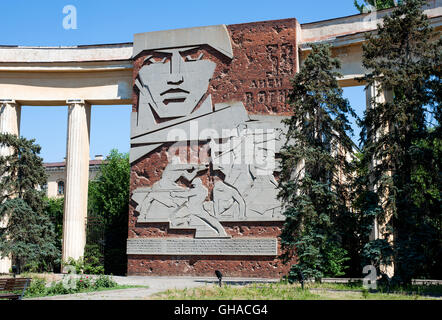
[312, 291]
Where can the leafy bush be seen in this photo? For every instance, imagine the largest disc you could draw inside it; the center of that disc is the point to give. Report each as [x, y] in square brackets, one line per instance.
[104, 282]
[78, 265]
[58, 288]
[69, 285]
[335, 261]
[83, 283]
[36, 288]
[92, 260]
[89, 266]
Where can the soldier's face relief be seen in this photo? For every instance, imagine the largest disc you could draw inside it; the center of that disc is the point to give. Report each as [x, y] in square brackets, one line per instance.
[175, 80]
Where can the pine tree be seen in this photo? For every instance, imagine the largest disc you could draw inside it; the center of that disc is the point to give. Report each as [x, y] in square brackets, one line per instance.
[316, 168]
[399, 146]
[29, 234]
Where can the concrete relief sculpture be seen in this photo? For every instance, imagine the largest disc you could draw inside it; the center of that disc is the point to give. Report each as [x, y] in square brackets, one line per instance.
[249, 189]
[174, 107]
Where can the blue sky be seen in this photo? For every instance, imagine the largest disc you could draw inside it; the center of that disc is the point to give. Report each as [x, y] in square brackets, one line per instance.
[40, 23]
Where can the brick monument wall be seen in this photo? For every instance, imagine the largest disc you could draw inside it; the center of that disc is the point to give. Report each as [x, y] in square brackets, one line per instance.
[265, 59]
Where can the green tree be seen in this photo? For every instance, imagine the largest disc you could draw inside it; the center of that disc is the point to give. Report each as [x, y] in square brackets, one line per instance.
[366, 208]
[54, 209]
[377, 4]
[29, 234]
[55, 212]
[404, 58]
[315, 168]
[109, 199]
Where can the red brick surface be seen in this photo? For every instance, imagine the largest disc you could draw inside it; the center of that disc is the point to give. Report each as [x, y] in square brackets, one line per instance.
[230, 266]
[259, 76]
[264, 61]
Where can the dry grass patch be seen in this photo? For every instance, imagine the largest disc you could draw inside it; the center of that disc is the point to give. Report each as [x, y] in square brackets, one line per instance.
[283, 291]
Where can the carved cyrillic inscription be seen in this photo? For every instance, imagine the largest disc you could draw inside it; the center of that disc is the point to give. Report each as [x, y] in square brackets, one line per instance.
[270, 97]
[281, 57]
[286, 62]
[266, 83]
[272, 90]
[265, 59]
[185, 246]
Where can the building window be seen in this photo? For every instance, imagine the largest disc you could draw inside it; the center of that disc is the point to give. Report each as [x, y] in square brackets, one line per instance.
[60, 188]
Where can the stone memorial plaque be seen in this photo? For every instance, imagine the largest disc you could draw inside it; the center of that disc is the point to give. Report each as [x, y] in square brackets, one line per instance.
[183, 246]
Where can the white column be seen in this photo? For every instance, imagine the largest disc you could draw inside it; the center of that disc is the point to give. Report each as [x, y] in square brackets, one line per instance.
[372, 93]
[77, 176]
[10, 112]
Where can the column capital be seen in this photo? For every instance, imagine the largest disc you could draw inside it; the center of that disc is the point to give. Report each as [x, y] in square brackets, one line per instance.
[8, 101]
[76, 101]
